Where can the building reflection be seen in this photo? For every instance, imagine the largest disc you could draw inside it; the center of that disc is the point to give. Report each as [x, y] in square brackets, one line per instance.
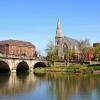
[17, 84]
[62, 86]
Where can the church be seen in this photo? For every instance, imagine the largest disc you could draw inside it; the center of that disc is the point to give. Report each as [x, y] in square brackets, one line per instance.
[62, 43]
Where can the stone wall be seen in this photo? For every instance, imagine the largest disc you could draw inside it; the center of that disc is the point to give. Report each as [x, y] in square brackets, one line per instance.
[60, 63]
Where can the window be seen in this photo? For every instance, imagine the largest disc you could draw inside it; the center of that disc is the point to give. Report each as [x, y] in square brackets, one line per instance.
[57, 42]
[65, 47]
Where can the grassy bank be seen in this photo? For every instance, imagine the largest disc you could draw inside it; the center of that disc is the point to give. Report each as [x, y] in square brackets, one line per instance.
[76, 68]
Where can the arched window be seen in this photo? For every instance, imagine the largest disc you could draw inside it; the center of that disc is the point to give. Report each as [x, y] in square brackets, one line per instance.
[65, 47]
[57, 42]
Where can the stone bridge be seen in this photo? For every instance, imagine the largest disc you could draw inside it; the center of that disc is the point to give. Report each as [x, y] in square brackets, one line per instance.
[20, 64]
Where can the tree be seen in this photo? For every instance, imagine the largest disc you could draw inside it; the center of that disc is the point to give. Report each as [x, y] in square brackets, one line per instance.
[68, 55]
[97, 52]
[90, 53]
[51, 51]
[83, 45]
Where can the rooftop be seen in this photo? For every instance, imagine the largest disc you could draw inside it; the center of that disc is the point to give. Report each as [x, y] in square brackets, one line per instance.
[16, 43]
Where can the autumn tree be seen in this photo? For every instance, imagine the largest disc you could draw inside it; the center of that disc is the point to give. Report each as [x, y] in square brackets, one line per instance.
[90, 53]
[83, 45]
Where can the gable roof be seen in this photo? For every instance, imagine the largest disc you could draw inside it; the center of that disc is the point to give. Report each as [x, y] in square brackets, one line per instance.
[70, 41]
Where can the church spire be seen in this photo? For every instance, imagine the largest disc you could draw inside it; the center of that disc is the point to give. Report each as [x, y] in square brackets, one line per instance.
[58, 31]
[59, 40]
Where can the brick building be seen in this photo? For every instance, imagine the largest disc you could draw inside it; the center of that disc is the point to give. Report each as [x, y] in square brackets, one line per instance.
[17, 48]
[95, 44]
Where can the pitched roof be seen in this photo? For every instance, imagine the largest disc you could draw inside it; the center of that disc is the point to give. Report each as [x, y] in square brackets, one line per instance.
[17, 43]
[70, 41]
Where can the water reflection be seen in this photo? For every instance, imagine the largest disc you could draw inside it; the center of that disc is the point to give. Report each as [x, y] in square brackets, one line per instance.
[50, 86]
[74, 87]
[16, 84]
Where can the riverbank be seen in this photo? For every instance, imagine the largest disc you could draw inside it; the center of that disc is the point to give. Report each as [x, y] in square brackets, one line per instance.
[75, 68]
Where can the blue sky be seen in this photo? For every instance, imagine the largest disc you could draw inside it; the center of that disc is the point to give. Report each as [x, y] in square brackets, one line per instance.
[36, 20]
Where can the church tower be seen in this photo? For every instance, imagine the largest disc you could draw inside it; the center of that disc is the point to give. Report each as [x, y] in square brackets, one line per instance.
[59, 40]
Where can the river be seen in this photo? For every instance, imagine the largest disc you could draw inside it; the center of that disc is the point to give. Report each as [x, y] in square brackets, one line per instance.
[50, 86]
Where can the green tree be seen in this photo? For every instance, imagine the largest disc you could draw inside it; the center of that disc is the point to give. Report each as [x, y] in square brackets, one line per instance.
[97, 52]
[68, 55]
[51, 51]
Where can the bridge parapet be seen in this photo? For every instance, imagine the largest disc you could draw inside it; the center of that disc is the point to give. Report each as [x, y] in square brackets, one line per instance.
[14, 61]
[16, 57]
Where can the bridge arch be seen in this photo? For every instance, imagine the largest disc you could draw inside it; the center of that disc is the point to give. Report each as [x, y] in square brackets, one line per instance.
[39, 64]
[22, 67]
[4, 67]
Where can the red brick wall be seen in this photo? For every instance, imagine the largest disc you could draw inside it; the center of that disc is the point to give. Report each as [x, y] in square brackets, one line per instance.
[4, 49]
[19, 50]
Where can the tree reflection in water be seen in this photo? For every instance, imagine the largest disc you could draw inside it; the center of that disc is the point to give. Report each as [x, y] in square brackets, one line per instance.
[55, 86]
[70, 86]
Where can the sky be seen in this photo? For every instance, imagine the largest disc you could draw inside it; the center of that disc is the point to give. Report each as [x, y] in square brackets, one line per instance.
[36, 20]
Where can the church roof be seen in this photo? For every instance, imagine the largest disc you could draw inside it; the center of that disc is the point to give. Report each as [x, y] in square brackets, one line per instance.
[17, 43]
[71, 42]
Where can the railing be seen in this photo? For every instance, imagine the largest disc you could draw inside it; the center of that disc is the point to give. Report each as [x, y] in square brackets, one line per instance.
[16, 57]
[94, 63]
[4, 56]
